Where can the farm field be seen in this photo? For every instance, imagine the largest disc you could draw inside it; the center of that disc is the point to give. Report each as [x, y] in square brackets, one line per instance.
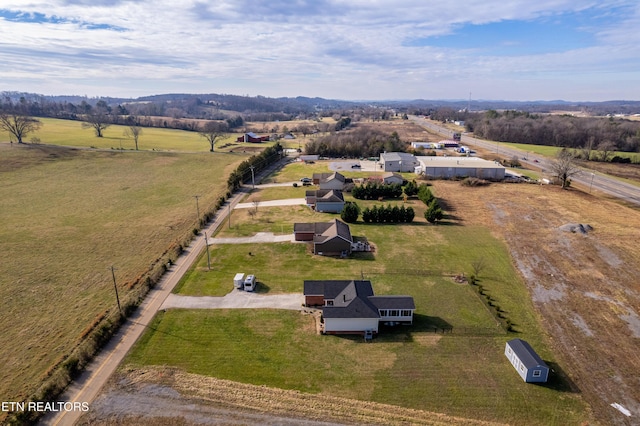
[438, 384]
[67, 216]
[70, 133]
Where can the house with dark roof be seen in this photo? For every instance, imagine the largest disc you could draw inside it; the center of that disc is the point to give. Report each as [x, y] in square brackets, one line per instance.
[329, 180]
[526, 361]
[325, 200]
[252, 137]
[329, 238]
[350, 306]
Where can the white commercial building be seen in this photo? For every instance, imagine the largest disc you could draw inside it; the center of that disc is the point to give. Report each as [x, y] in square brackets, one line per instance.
[453, 167]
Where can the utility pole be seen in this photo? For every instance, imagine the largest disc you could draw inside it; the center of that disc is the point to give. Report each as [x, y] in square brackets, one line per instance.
[197, 208]
[229, 215]
[591, 185]
[206, 243]
[113, 274]
[253, 181]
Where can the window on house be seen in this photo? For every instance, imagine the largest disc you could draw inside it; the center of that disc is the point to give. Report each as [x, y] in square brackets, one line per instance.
[383, 312]
[509, 351]
[537, 373]
[406, 313]
[394, 313]
[522, 367]
[329, 302]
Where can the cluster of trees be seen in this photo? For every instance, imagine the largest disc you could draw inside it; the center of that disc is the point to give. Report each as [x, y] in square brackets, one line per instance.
[355, 143]
[375, 191]
[388, 214]
[254, 164]
[596, 138]
[434, 212]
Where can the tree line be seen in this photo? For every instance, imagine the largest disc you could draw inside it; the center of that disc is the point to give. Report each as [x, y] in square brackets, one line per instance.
[355, 143]
[596, 138]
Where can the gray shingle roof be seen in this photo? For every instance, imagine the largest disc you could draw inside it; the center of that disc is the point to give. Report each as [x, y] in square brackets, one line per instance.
[525, 353]
[393, 302]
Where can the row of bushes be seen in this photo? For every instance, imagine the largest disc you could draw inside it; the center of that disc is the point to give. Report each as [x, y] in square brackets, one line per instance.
[388, 214]
[434, 212]
[376, 191]
[490, 302]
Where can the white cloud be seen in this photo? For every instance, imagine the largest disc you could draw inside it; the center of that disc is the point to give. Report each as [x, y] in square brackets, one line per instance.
[340, 49]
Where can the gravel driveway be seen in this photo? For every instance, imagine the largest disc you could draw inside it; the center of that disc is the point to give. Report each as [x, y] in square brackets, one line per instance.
[236, 299]
[274, 203]
[260, 237]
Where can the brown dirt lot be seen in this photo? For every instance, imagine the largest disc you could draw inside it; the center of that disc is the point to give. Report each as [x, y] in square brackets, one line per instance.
[407, 130]
[586, 288]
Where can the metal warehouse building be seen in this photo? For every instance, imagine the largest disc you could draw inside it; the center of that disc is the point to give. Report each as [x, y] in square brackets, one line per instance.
[452, 167]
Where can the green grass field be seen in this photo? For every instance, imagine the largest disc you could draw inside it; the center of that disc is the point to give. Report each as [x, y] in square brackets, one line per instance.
[69, 214]
[462, 373]
[71, 133]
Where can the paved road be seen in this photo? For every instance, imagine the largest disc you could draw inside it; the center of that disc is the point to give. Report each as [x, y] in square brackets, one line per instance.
[586, 178]
[89, 384]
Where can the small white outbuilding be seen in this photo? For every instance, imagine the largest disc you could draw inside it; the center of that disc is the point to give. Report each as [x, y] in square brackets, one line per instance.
[238, 280]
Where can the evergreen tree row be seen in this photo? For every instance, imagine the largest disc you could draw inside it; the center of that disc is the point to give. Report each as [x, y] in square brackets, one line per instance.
[388, 214]
[434, 212]
[374, 191]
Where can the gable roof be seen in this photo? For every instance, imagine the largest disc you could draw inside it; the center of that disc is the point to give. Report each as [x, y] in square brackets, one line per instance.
[350, 298]
[354, 298]
[324, 231]
[329, 195]
[525, 353]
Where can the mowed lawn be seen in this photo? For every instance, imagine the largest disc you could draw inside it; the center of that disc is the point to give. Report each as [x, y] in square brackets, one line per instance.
[67, 216]
[462, 373]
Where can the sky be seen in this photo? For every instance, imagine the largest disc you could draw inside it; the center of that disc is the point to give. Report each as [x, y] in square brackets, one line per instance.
[521, 50]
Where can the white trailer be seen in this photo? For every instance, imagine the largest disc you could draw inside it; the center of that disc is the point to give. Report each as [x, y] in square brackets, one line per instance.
[238, 280]
[250, 283]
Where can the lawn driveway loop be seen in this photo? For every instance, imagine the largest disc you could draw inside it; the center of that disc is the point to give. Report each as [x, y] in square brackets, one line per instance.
[236, 299]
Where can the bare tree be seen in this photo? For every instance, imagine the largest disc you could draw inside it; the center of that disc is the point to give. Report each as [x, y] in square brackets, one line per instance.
[212, 130]
[564, 167]
[478, 265]
[97, 118]
[133, 132]
[606, 149]
[18, 125]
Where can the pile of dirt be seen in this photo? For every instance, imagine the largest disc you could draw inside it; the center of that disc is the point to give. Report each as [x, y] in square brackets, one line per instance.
[577, 228]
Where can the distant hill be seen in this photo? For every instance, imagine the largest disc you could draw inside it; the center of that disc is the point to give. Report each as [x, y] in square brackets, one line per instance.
[202, 105]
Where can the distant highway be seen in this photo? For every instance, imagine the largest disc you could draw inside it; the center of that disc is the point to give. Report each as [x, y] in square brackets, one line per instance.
[586, 178]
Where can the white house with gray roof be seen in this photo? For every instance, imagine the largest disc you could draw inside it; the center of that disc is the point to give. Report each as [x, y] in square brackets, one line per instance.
[350, 307]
